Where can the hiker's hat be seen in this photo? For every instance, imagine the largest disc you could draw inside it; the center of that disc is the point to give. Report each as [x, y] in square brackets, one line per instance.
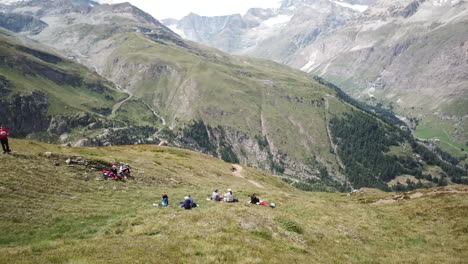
[113, 166]
[229, 190]
[186, 197]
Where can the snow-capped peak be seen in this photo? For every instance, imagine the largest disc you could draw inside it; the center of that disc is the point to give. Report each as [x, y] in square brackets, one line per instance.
[9, 2]
[360, 8]
[443, 2]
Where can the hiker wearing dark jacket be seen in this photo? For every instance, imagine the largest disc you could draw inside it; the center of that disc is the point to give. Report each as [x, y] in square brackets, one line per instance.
[254, 199]
[188, 203]
[4, 133]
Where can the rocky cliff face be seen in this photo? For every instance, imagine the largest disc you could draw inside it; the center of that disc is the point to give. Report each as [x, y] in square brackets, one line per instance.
[24, 114]
[21, 23]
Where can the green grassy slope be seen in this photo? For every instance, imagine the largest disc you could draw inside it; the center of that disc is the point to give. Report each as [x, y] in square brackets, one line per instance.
[70, 87]
[184, 81]
[59, 214]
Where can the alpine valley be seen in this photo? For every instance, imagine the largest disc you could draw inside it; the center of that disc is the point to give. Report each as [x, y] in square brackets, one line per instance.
[142, 83]
[407, 56]
[87, 86]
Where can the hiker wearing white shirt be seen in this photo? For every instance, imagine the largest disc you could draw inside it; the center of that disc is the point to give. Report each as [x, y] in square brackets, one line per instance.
[229, 198]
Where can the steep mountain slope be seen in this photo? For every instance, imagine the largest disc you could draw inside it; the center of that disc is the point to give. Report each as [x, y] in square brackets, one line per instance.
[269, 33]
[408, 56]
[37, 85]
[348, 47]
[247, 107]
[243, 110]
[411, 55]
[48, 97]
[62, 214]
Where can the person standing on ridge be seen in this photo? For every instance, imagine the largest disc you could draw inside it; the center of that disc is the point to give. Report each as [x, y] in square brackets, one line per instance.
[4, 133]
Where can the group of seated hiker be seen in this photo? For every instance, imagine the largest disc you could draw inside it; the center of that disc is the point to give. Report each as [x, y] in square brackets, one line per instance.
[188, 202]
[121, 173]
[228, 197]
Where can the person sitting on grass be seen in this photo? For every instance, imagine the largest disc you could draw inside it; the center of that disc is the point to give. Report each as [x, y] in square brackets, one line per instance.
[188, 203]
[114, 170]
[229, 197]
[254, 199]
[215, 196]
[165, 201]
[125, 171]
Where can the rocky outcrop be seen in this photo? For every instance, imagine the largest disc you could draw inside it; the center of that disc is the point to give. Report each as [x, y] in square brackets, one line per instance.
[234, 146]
[24, 114]
[21, 23]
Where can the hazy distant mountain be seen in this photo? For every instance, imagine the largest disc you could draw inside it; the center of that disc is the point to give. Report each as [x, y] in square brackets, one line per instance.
[269, 33]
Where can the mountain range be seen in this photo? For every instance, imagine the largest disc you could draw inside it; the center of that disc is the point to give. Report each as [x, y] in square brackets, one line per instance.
[407, 56]
[85, 86]
[145, 84]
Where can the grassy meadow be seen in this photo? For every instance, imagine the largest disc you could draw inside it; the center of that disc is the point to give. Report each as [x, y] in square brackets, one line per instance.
[61, 214]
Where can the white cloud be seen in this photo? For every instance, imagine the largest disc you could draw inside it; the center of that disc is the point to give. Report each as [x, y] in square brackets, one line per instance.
[178, 8]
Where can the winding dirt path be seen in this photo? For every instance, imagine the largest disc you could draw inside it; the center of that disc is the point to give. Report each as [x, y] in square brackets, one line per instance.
[237, 171]
[117, 106]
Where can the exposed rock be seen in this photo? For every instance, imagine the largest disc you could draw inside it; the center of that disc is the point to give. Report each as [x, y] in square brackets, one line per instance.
[83, 143]
[25, 114]
[59, 125]
[21, 23]
[64, 137]
[48, 154]
[95, 125]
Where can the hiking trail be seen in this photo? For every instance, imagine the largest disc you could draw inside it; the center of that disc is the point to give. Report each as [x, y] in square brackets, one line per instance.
[237, 171]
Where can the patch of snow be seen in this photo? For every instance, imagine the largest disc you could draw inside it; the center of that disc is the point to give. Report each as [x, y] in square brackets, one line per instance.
[360, 8]
[360, 47]
[307, 66]
[9, 2]
[178, 31]
[443, 2]
[310, 63]
[265, 30]
[439, 2]
[276, 21]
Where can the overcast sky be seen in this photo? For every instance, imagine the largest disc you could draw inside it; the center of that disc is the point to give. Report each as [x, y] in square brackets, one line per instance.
[178, 8]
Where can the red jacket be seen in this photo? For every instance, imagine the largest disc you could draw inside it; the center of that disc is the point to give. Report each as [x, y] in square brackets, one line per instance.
[4, 133]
